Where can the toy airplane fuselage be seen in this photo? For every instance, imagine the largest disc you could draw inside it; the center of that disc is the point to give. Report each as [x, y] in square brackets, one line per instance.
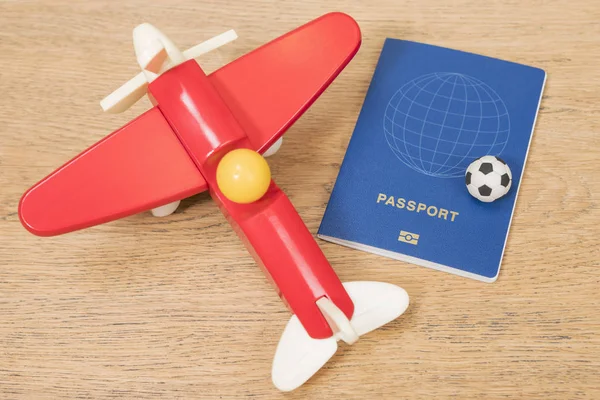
[174, 150]
[270, 227]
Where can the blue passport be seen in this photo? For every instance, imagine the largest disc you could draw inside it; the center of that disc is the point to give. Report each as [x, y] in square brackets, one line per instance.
[428, 114]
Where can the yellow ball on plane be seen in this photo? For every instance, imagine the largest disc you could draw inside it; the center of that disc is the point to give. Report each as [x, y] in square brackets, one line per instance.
[243, 176]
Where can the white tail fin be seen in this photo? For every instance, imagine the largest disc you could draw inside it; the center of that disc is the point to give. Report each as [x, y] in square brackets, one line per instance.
[298, 356]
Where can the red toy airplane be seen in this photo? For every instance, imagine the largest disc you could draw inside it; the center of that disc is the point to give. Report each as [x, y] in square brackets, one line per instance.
[207, 133]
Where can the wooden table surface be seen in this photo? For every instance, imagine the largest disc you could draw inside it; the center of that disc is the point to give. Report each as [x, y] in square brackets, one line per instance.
[175, 308]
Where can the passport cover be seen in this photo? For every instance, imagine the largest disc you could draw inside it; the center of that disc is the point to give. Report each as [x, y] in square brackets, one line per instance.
[428, 113]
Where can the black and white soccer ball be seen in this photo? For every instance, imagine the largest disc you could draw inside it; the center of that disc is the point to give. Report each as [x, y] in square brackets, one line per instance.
[488, 178]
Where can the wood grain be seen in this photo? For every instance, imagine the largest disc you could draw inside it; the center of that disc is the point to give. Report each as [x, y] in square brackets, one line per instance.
[175, 308]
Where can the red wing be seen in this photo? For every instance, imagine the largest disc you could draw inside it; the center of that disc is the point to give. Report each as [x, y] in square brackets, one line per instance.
[138, 167]
[269, 88]
[143, 165]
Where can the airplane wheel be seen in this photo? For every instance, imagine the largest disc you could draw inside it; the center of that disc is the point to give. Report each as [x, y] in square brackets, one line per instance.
[165, 210]
[274, 148]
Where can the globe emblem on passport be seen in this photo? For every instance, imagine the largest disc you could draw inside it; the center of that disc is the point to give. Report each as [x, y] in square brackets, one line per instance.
[437, 124]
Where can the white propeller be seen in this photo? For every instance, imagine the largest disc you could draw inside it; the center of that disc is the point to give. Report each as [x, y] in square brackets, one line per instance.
[156, 54]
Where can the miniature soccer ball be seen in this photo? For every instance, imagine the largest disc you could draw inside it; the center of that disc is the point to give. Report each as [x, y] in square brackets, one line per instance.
[488, 178]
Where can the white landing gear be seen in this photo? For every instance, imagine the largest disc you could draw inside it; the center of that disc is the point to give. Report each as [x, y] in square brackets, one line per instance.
[274, 148]
[165, 210]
